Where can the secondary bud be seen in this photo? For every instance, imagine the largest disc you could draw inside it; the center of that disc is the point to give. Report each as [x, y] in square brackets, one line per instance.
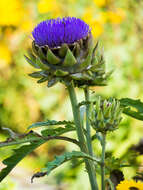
[106, 115]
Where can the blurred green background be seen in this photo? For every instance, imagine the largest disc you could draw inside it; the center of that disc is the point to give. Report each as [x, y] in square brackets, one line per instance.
[118, 27]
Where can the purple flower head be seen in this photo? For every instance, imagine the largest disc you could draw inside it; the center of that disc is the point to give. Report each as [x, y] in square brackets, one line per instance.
[55, 32]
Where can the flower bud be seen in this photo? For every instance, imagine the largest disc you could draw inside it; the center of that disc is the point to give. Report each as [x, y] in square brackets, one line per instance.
[107, 115]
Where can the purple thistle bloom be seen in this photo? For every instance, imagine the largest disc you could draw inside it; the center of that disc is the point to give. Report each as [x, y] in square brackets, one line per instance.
[55, 32]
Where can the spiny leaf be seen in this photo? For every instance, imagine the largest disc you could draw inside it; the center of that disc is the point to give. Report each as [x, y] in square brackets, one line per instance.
[50, 122]
[59, 160]
[131, 102]
[36, 138]
[133, 108]
[18, 155]
[66, 157]
[57, 131]
[35, 141]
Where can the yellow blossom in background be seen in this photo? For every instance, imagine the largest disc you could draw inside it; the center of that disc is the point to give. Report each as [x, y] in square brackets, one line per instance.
[97, 28]
[129, 185]
[96, 24]
[88, 14]
[10, 12]
[102, 17]
[116, 17]
[100, 3]
[27, 25]
[45, 6]
[5, 55]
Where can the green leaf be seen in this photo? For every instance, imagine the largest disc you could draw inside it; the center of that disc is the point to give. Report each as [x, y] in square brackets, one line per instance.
[57, 131]
[133, 108]
[18, 155]
[38, 74]
[59, 160]
[66, 157]
[50, 122]
[31, 62]
[34, 140]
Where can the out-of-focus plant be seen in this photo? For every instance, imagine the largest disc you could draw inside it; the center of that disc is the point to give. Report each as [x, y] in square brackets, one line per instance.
[9, 184]
[63, 51]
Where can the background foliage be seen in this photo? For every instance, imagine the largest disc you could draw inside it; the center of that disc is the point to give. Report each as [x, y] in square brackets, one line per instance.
[118, 27]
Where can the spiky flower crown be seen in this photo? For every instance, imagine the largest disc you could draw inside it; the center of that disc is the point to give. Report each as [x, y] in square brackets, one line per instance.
[55, 32]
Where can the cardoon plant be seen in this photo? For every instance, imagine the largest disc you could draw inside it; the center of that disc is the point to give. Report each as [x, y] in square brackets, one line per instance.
[63, 51]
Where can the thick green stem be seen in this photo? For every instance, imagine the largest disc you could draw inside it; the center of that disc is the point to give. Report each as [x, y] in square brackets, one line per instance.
[88, 136]
[76, 115]
[103, 162]
[80, 134]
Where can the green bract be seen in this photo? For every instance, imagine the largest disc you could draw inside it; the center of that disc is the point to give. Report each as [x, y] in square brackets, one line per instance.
[79, 62]
[106, 115]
